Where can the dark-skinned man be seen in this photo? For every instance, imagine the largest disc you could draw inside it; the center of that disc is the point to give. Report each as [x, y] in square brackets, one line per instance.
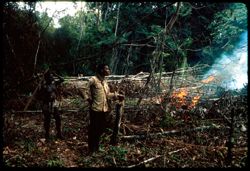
[49, 93]
[98, 96]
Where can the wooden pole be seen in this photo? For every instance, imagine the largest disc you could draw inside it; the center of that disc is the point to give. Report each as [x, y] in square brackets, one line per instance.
[118, 110]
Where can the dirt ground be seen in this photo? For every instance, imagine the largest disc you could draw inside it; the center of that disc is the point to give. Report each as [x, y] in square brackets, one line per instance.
[25, 146]
[183, 146]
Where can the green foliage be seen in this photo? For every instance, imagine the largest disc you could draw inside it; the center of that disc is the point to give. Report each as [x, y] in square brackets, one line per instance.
[225, 27]
[167, 121]
[45, 66]
[29, 145]
[20, 37]
[106, 40]
[107, 156]
[83, 162]
[228, 24]
[119, 153]
[208, 54]
[77, 101]
[131, 101]
[18, 161]
[200, 33]
[54, 161]
[69, 130]
[185, 10]
[44, 20]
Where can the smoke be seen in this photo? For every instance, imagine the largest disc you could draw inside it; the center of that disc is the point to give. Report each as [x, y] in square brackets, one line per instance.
[230, 70]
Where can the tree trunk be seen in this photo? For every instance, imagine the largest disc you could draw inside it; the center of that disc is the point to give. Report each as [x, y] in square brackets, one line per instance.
[173, 18]
[98, 13]
[78, 44]
[127, 60]
[35, 60]
[113, 63]
[107, 10]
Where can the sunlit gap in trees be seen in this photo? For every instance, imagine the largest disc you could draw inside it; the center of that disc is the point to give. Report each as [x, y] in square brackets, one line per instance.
[231, 69]
[57, 9]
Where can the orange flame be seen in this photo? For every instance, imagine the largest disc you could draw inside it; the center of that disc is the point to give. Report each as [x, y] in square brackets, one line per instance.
[180, 98]
[195, 101]
[208, 80]
[180, 93]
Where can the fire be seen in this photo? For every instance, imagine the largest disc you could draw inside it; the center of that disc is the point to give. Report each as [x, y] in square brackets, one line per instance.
[180, 98]
[208, 80]
[180, 94]
[195, 101]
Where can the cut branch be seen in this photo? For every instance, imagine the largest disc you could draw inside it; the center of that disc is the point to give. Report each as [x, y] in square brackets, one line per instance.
[172, 152]
[40, 111]
[38, 47]
[132, 44]
[12, 49]
[160, 134]
[193, 50]
[145, 161]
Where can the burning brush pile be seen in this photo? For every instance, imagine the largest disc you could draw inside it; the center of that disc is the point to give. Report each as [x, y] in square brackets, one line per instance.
[189, 97]
[204, 98]
[209, 100]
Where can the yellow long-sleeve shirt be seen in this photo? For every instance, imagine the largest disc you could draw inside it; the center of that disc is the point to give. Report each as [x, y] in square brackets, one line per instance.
[99, 93]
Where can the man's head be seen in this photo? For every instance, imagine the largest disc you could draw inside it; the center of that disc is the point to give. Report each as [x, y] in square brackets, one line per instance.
[103, 70]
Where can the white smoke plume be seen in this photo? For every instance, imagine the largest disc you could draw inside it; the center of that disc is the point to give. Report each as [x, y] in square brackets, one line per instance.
[231, 70]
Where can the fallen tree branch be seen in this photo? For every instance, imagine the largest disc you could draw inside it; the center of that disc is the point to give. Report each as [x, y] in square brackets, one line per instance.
[37, 50]
[160, 134]
[143, 75]
[145, 161]
[39, 111]
[188, 145]
[132, 44]
[153, 158]
[172, 152]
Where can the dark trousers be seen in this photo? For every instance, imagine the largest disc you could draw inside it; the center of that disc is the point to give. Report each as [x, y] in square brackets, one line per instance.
[49, 110]
[97, 126]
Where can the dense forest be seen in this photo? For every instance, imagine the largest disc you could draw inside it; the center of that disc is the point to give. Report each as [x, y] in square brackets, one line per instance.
[145, 36]
[157, 49]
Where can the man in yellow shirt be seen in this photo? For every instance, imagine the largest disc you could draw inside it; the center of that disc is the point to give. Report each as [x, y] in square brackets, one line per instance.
[98, 96]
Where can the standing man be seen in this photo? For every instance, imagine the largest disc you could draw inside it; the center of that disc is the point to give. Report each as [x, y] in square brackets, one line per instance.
[98, 96]
[48, 95]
